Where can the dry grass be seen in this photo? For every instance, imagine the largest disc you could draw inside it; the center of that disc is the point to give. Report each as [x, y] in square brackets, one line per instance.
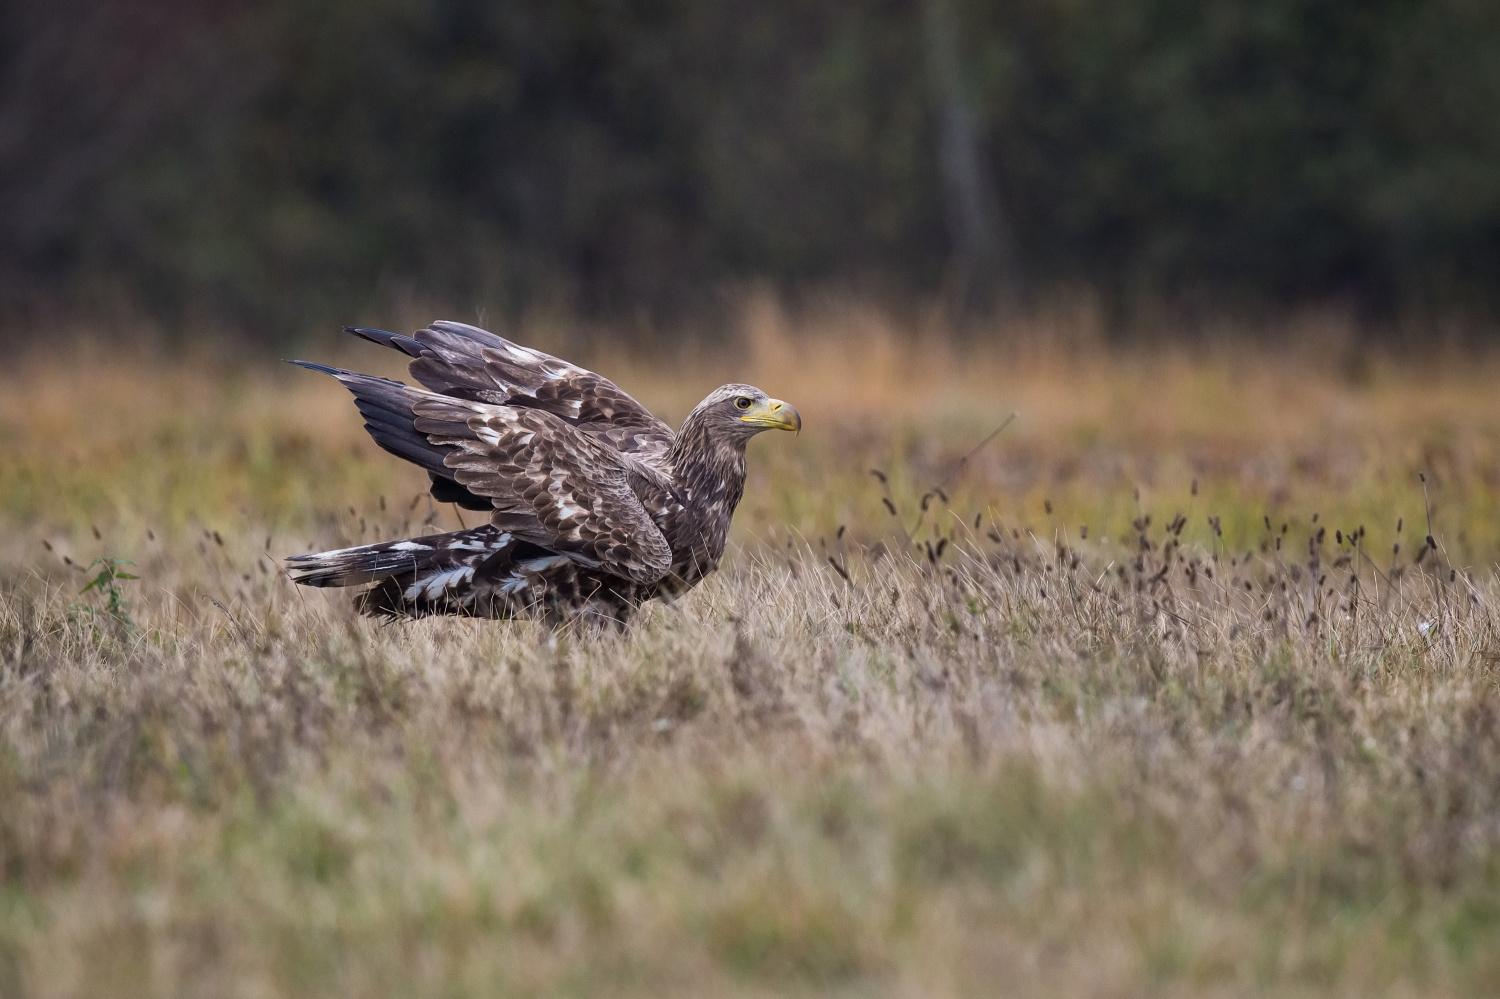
[1162, 759]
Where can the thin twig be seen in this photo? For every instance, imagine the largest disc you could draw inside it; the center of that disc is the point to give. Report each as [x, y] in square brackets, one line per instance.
[953, 470]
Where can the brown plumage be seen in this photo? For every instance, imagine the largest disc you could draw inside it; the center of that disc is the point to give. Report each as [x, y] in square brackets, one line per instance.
[595, 505]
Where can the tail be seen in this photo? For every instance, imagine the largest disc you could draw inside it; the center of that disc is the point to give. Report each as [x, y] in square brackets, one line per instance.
[419, 576]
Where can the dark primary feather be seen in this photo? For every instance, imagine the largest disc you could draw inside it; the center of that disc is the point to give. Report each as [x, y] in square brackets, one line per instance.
[386, 407]
[445, 490]
[396, 341]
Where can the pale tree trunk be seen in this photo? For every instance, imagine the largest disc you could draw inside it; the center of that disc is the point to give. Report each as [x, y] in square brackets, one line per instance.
[986, 271]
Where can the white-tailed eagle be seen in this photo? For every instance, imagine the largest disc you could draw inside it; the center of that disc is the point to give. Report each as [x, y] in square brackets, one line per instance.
[594, 504]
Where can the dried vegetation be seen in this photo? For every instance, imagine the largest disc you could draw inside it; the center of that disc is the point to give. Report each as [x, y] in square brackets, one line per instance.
[1173, 689]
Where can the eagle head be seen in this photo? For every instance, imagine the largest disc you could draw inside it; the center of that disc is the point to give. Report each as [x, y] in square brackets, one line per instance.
[737, 412]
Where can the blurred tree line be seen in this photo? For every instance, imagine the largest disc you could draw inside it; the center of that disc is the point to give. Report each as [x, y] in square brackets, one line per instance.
[282, 163]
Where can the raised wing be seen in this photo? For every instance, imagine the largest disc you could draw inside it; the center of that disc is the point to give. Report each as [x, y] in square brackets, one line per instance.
[446, 445]
[550, 484]
[466, 362]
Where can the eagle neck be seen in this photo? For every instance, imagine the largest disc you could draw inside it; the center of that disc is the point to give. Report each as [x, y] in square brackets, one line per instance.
[709, 473]
[713, 469]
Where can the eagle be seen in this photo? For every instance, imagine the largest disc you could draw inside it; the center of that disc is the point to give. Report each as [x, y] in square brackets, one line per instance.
[595, 506]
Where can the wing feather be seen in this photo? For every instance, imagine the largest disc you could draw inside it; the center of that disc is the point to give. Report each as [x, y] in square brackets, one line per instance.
[551, 484]
[466, 362]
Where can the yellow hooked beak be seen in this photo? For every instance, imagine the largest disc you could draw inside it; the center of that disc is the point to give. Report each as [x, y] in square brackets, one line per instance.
[773, 414]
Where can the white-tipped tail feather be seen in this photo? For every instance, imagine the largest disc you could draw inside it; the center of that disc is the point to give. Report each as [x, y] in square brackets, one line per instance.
[479, 571]
[429, 569]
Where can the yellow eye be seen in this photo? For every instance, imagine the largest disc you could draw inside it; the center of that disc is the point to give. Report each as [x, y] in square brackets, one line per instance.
[742, 403]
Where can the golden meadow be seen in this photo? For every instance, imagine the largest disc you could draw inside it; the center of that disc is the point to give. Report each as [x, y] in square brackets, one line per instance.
[1185, 684]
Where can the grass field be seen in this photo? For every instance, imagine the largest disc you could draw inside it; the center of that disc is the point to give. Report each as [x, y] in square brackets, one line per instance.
[1168, 694]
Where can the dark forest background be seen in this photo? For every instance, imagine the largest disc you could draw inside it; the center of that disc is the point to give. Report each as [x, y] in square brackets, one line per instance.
[278, 165]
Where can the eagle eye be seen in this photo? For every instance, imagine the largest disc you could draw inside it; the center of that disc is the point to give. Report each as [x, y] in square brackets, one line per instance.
[742, 403]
